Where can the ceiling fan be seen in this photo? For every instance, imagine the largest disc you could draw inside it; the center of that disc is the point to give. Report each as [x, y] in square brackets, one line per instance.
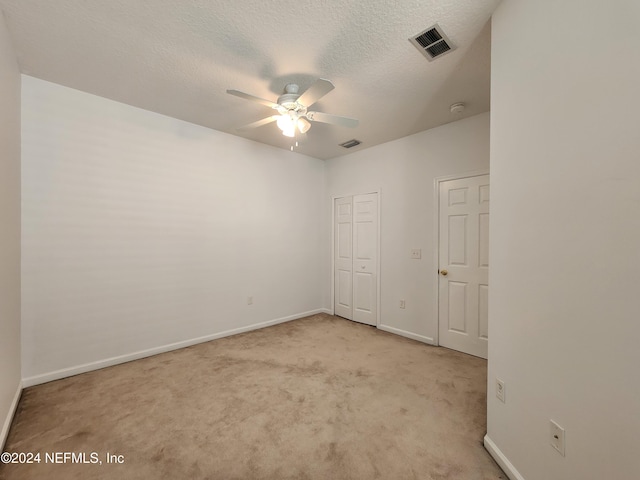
[292, 107]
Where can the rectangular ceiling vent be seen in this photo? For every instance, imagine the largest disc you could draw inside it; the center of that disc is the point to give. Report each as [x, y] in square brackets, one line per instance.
[432, 43]
[351, 143]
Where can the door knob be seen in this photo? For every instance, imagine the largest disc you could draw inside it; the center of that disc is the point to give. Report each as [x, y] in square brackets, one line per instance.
[443, 272]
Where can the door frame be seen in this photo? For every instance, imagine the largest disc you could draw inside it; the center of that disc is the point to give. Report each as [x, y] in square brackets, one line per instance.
[333, 241]
[436, 222]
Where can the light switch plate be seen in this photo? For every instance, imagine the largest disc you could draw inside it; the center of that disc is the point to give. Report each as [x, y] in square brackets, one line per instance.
[500, 393]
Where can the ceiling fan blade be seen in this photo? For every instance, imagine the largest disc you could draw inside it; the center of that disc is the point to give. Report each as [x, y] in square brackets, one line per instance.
[259, 123]
[253, 98]
[315, 92]
[332, 119]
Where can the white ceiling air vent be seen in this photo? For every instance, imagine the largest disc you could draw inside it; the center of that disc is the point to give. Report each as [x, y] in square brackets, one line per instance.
[351, 143]
[432, 43]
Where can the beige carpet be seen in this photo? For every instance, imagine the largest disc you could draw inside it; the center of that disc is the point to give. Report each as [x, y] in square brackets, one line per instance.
[316, 398]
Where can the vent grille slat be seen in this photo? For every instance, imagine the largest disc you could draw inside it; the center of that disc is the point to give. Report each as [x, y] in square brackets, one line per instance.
[428, 37]
[351, 143]
[432, 42]
[438, 48]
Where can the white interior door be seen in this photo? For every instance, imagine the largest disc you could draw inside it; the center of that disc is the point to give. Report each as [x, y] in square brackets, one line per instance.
[464, 265]
[356, 258]
[343, 257]
[365, 258]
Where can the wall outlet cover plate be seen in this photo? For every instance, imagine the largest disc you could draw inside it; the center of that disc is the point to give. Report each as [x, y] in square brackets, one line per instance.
[556, 435]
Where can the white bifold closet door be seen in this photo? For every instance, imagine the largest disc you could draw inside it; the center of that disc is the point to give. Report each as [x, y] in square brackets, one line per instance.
[356, 257]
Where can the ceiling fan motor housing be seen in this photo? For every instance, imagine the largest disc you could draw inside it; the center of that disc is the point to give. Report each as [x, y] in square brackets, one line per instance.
[289, 99]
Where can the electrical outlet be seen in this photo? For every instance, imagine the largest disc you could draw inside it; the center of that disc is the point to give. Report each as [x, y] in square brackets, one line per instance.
[402, 304]
[249, 300]
[416, 253]
[500, 393]
[556, 436]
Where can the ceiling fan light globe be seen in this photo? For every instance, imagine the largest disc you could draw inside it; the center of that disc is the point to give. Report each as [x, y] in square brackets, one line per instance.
[289, 132]
[303, 125]
[284, 122]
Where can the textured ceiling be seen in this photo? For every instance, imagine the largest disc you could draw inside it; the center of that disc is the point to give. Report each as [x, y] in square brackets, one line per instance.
[179, 58]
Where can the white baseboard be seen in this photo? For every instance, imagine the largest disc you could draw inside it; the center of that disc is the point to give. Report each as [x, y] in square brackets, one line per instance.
[501, 460]
[108, 362]
[10, 414]
[404, 333]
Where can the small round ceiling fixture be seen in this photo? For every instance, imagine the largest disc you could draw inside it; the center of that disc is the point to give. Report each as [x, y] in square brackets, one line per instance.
[457, 108]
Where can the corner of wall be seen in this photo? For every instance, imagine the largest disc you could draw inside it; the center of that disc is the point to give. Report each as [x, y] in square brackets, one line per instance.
[10, 211]
[6, 426]
[501, 460]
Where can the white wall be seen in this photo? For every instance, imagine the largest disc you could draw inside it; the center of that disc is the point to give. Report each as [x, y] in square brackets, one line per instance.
[140, 231]
[405, 171]
[565, 237]
[9, 231]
